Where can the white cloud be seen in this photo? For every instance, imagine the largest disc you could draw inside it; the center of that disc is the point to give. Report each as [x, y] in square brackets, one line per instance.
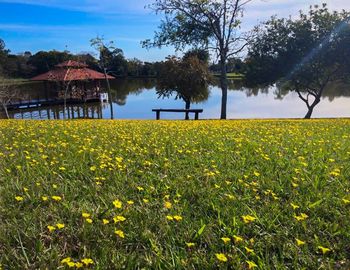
[263, 9]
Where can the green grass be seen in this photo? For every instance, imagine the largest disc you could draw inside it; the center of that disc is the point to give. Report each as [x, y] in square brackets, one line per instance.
[189, 182]
[232, 76]
[235, 76]
[15, 81]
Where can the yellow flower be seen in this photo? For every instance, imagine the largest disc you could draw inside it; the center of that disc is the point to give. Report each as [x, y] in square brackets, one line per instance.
[93, 168]
[167, 205]
[85, 215]
[66, 260]
[294, 206]
[89, 220]
[105, 221]
[87, 261]
[251, 264]
[119, 233]
[60, 225]
[249, 250]
[346, 201]
[226, 240]
[335, 173]
[130, 202]
[178, 218]
[299, 242]
[237, 238]
[117, 204]
[140, 188]
[301, 217]
[190, 245]
[221, 257]
[56, 198]
[119, 219]
[169, 217]
[145, 200]
[256, 174]
[70, 264]
[44, 198]
[51, 228]
[230, 196]
[25, 189]
[79, 265]
[19, 198]
[247, 219]
[324, 249]
[295, 185]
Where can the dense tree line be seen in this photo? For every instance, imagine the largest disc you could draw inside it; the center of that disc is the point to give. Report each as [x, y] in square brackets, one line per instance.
[27, 65]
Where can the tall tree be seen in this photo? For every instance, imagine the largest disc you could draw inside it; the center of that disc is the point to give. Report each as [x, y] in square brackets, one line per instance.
[304, 55]
[211, 24]
[186, 79]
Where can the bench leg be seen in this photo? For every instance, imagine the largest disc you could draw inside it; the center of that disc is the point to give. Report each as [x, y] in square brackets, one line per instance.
[187, 116]
[158, 115]
[196, 117]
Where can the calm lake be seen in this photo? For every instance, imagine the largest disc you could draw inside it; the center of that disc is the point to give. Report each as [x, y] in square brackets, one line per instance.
[135, 99]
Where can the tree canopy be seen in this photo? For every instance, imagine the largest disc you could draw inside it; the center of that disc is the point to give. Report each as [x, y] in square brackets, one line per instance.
[187, 79]
[303, 55]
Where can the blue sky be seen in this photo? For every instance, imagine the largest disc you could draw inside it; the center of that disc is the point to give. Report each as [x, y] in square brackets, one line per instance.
[36, 25]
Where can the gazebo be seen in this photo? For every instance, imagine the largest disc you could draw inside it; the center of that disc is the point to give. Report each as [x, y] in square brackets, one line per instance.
[74, 81]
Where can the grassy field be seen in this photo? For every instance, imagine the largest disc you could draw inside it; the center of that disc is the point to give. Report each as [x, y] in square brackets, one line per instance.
[232, 76]
[15, 81]
[235, 76]
[175, 195]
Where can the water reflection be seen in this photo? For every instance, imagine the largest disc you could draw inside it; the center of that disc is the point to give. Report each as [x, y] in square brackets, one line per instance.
[135, 99]
[76, 111]
[122, 88]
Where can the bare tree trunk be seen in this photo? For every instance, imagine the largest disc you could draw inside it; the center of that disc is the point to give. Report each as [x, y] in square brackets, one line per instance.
[224, 86]
[187, 107]
[109, 93]
[6, 111]
[312, 107]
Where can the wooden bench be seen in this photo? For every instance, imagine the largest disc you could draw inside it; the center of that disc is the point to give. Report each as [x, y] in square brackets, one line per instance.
[195, 111]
